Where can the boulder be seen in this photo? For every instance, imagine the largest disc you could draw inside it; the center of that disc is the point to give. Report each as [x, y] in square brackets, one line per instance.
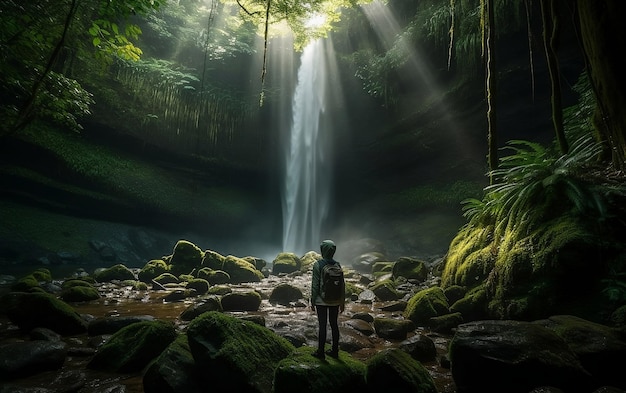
[303, 373]
[409, 268]
[152, 269]
[212, 260]
[185, 257]
[214, 277]
[395, 370]
[445, 323]
[285, 294]
[240, 270]
[110, 325]
[385, 291]
[420, 347]
[601, 349]
[24, 359]
[241, 301]
[116, 272]
[79, 293]
[361, 326]
[201, 286]
[393, 329]
[236, 353]
[133, 347]
[426, 304]
[286, 262]
[206, 304]
[512, 356]
[32, 310]
[173, 371]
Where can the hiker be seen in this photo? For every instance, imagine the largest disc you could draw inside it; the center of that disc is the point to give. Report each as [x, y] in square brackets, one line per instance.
[327, 297]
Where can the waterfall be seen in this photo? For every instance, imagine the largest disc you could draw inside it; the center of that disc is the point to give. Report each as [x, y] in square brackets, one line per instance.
[307, 169]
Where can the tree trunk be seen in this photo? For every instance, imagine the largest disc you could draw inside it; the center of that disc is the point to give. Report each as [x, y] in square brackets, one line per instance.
[602, 31]
[550, 19]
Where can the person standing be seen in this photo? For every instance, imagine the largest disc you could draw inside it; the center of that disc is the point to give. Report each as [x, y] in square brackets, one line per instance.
[327, 297]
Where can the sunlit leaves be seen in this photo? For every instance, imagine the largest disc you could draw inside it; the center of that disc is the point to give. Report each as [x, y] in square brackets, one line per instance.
[64, 101]
[296, 16]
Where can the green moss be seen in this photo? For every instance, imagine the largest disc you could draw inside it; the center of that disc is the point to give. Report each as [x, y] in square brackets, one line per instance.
[42, 274]
[76, 282]
[25, 284]
[131, 348]
[352, 289]
[135, 181]
[470, 257]
[382, 267]
[213, 260]
[473, 306]
[407, 374]
[301, 372]
[410, 268]
[241, 270]
[242, 352]
[78, 293]
[115, 272]
[426, 304]
[199, 284]
[152, 269]
[166, 278]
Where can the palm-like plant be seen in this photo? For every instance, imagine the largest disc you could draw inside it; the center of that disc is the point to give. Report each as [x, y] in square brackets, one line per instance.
[534, 185]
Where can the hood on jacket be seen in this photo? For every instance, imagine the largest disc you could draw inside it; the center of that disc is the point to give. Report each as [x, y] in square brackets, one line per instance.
[328, 249]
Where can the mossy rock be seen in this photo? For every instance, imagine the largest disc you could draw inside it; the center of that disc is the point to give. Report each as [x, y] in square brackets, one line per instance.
[213, 260]
[258, 263]
[470, 258]
[220, 290]
[382, 267]
[200, 285]
[25, 284]
[454, 293]
[284, 294]
[286, 262]
[185, 257]
[116, 272]
[152, 269]
[166, 278]
[302, 372]
[392, 329]
[206, 304]
[241, 270]
[133, 347]
[241, 353]
[426, 304]
[385, 290]
[78, 293]
[42, 274]
[32, 310]
[75, 282]
[308, 259]
[352, 290]
[241, 301]
[214, 277]
[473, 306]
[160, 377]
[394, 367]
[445, 324]
[409, 268]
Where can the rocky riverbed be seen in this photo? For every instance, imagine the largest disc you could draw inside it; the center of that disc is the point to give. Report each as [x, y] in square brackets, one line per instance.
[294, 321]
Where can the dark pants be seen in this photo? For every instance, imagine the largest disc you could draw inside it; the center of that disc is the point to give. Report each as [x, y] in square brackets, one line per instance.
[325, 314]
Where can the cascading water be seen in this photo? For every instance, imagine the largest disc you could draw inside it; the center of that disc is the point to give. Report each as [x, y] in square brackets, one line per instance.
[306, 183]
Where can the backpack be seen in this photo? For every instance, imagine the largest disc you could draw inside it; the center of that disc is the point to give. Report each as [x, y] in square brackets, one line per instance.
[332, 288]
